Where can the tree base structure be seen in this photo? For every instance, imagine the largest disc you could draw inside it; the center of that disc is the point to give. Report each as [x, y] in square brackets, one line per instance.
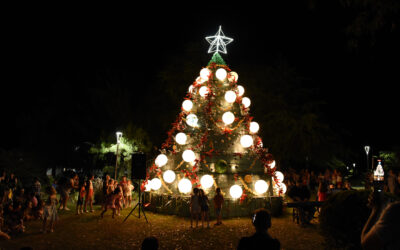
[179, 205]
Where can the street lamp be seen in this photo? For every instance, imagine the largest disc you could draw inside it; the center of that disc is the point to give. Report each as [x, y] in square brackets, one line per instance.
[119, 136]
[367, 148]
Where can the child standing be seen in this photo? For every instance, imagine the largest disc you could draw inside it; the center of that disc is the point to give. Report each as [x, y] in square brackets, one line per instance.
[129, 193]
[204, 207]
[50, 210]
[81, 196]
[218, 201]
[194, 207]
[89, 194]
[110, 203]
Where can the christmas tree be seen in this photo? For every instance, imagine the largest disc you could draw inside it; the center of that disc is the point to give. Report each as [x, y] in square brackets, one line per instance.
[214, 142]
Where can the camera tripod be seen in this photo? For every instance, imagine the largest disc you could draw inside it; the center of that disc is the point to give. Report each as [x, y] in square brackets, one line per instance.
[139, 205]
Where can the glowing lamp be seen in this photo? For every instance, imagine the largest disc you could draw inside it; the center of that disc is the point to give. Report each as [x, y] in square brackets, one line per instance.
[203, 91]
[188, 155]
[246, 102]
[192, 120]
[254, 127]
[169, 176]
[228, 118]
[161, 160]
[230, 96]
[206, 181]
[187, 105]
[185, 186]
[379, 174]
[221, 74]
[235, 191]
[261, 186]
[233, 76]
[181, 138]
[279, 176]
[240, 90]
[272, 164]
[155, 184]
[190, 90]
[246, 141]
[200, 80]
[205, 73]
[147, 187]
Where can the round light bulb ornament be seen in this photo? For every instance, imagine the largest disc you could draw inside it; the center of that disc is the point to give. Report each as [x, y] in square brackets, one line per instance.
[161, 160]
[192, 120]
[228, 118]
[187, 105]
[169, 176]
[200, 80]
[188, 155]
[155, 184]
[206, 181]
[181, 138]
[185, 186]
[246, 102]
[246, 141]
[203, 91]
[147, 187]
[240, 90]
[230, 96]
[205, 73]
[235, 191]
[254, 127]
[272, 164]
[279, 176]
[233, 76]
[221, 74]
[261, 186]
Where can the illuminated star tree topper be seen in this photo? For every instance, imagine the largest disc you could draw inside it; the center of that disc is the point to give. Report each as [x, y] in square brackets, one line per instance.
[218, 42]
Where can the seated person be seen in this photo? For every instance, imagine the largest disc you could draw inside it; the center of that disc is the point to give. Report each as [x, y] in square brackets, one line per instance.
[300, 193]
[260, 239]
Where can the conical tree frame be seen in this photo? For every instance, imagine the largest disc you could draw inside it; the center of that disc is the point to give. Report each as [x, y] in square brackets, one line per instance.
[216, 145]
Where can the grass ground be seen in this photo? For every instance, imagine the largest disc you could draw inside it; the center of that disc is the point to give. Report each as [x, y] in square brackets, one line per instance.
[87, 231]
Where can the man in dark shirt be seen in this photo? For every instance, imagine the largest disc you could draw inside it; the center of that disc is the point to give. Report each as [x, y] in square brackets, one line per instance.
[261, 239]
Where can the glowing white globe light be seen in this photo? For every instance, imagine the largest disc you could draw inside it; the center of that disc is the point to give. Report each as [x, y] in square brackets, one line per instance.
[181, 138]
[221, 74]
[203, 91]
[283, 188]
[161, 160]
[206, 181]
[147, 186]
[185, 186]
[191, 88]
[200, 80]
[155, 184]
[235, 191]
[272, 164]
[169, 176]
[261, 186]
[230, 96]
[254, 127]
[188, 155]
[246, 102]
[279, 176]
[228, 117]
[187, 105]
[205, 73]
[246, 141]
[233, 76]
[240, 90]
[192, 120]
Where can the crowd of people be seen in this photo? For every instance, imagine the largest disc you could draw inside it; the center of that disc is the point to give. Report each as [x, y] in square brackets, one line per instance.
[22, 202]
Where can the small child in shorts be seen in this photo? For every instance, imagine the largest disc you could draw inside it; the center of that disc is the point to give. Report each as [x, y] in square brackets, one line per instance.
[81, 196]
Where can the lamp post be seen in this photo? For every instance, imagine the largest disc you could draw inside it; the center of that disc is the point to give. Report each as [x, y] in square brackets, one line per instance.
[367, 148]
[119, 136]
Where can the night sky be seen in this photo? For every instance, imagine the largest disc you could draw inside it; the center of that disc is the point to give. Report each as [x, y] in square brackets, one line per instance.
[358, 83]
